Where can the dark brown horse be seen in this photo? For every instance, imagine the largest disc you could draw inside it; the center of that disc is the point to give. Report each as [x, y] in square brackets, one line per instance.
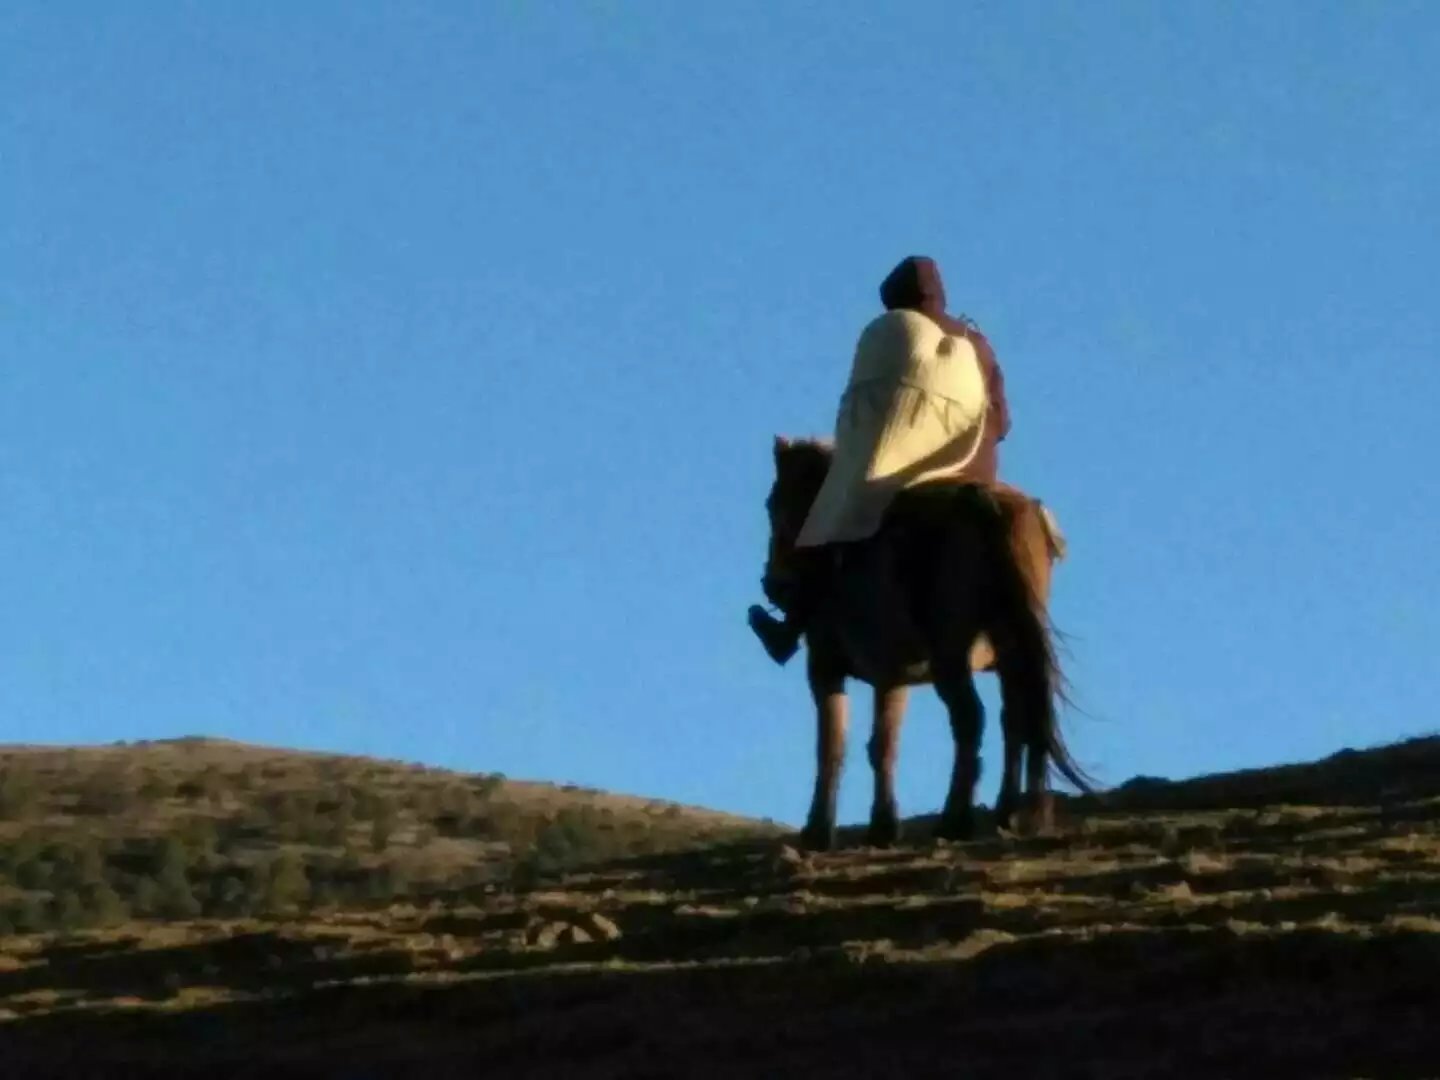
[954, 582]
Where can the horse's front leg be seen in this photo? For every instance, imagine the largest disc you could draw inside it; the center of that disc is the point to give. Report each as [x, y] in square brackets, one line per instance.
[956, 686]
[827, 687]
[884, 749]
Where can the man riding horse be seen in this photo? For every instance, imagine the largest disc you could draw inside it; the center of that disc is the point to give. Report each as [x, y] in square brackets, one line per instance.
[926, 401]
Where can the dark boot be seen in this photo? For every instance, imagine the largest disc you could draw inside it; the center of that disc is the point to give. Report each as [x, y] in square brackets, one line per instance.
[780, 639]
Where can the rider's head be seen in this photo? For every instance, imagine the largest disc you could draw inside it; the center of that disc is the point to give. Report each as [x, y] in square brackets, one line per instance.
[914, 284]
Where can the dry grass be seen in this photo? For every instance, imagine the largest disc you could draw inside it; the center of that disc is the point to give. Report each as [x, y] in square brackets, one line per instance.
[1275, 939]
[92, 836]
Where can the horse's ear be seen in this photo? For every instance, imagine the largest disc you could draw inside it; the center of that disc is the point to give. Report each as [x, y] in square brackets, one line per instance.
[781, 445]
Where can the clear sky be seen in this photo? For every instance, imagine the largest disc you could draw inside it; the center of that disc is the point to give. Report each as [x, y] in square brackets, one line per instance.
[400, 378]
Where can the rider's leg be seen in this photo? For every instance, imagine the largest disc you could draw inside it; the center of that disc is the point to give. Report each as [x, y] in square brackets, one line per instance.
[781, 640]
[795, 597]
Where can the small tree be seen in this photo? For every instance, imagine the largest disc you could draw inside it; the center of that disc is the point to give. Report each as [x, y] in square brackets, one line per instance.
[104, 906]
[145, 896]
[324, 893]
[36, 872]
[297, 818]
[87, 862]
[198, 837]
[232, 895]
[489, 786]
[27, 915]
[382, 826]
[388, 882]
[289, 886]
[176, 898]
[27, 846]
[337, 827]
[67, 910]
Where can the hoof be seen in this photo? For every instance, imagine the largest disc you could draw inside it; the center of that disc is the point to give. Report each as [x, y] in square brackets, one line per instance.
[818, 838]
[883, 834]
[1035, 820]
[1028, 827]
[957, 829]
[884, 828]
[1005, 818]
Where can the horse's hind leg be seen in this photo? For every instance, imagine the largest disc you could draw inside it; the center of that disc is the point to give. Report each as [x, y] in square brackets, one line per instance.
[1024, 704]
[956, 686]
[884, 748]
[1009, 800]
[827, 687]
[1038, 810]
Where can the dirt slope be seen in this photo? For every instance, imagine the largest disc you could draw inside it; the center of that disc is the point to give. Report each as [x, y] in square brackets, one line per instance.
[1157, 937]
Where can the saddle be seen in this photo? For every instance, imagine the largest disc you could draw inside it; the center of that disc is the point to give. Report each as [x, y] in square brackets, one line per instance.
[787, 580]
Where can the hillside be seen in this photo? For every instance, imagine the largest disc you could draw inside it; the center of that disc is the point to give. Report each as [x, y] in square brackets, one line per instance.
[205, 827]
[1160, 935]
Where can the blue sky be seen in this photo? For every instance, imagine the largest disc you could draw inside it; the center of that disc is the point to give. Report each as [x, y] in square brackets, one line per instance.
[399, 378]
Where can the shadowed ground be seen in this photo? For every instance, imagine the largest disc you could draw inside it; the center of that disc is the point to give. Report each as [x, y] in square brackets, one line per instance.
[1250, 940]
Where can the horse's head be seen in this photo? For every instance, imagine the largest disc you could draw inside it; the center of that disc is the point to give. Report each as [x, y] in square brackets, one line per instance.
[800, 468]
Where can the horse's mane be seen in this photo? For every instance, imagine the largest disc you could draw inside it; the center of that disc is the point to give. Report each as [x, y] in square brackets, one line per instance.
[808, 450]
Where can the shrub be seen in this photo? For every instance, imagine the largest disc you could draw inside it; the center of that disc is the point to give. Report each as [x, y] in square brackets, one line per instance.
[488, 786]
[27, 915]
[107, 793]
[19, 794]
[155, 787]
[67, 911]
[104, 906]
[288, 886]
[382, 827]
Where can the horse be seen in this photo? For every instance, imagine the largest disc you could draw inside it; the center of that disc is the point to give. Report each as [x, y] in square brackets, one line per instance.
[955, 581]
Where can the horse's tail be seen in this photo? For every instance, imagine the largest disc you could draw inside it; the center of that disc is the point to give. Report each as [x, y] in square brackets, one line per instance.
[1024, 640]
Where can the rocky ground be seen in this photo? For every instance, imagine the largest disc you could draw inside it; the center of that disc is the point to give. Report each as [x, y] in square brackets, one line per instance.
[1162, 934]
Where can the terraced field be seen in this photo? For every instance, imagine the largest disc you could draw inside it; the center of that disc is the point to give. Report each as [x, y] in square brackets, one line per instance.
[1298, 936]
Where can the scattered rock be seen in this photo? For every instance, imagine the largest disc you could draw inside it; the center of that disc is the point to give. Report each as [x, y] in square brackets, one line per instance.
[1199, 863]
[545, 935]
[1180, 890]
[601, 927]
[574, 935]
[549, 934]
[789, 862]
[705, 911]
